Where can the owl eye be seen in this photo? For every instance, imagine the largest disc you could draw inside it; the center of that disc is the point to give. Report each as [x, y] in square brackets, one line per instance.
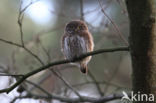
[82, 27]
[70, 29]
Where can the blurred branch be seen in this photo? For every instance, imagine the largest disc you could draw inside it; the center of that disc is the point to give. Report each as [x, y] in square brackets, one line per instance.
[91, 11]
[21, 16]
[17, 76]
[44, 77]
[18, 45]
[72, 100]
[7, 90]
[45, 50]
[81, 10]
[113, 23]
[40, 88]
[66, 83]
[34, 55]
[96, 84]
[102, 83]
[111, 78]
[20, 22]
[12, 75]
[10, 42]
[120, 2]
[20, 19]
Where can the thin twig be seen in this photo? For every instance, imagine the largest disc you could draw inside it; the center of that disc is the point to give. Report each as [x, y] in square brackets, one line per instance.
[47, 75]
[96, 84]
[45, 51]
[120, 4]
[18, 45]
[17, 76]
[40, 88]
[102, 83]
[66, 83]
[20, 23]
[21, 31]
[21, 16]
[73, 100]
[111, 78]
[11, 75]
[81, 10]
[114, 25]
[20, 20]
[10, 42]
[34, 55]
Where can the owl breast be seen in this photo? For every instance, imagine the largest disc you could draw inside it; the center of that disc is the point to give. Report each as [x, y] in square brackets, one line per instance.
[74, 46]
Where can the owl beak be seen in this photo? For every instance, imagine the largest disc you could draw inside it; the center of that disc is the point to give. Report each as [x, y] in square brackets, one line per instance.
[77, 29]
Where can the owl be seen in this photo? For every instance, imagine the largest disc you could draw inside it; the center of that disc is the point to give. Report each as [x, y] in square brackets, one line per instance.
[77, 40]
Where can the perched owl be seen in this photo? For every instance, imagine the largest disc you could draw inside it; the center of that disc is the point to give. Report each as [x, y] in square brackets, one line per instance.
[76, 41]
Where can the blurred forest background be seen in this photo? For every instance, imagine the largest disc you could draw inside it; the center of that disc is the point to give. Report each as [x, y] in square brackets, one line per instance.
[43, 25]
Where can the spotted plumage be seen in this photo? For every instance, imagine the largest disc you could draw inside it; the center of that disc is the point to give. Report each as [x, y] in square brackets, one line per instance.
[76, 41]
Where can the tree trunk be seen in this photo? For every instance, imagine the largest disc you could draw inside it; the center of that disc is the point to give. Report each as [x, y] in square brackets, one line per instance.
[142, 15]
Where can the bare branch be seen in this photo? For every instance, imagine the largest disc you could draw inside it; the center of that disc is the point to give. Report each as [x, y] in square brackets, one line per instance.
[95, 82]
[73, 100]
[20, 22]
[66, 83]
[27, 81]
[102, 83]
[34, 55]
[21, 16]
[44, 77]
[18, 45]
[45, 50]
[10, 42]
[12, 75]
[111, 78]
[81, 10]
[40, 88]
[120, 2]
[115, 26]
[7, 90]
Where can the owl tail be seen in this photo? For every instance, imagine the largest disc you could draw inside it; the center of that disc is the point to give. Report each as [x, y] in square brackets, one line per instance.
[83, 68]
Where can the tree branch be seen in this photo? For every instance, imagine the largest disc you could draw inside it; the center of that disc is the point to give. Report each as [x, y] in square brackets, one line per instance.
[20, 46]
[96, 84]
[81, 10]
[72, 100]
[40, 88]
[10, 42]
[7, 90]
[114, 25]
[66, 83]
[12, 75]
[20, 23]
[101, 83]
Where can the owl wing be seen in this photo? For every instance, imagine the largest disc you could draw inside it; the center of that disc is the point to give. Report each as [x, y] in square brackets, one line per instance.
[65, 46]
[62, 43]
[88, 40]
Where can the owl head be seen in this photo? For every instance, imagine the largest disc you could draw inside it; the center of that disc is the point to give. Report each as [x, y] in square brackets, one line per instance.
[75, 26]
